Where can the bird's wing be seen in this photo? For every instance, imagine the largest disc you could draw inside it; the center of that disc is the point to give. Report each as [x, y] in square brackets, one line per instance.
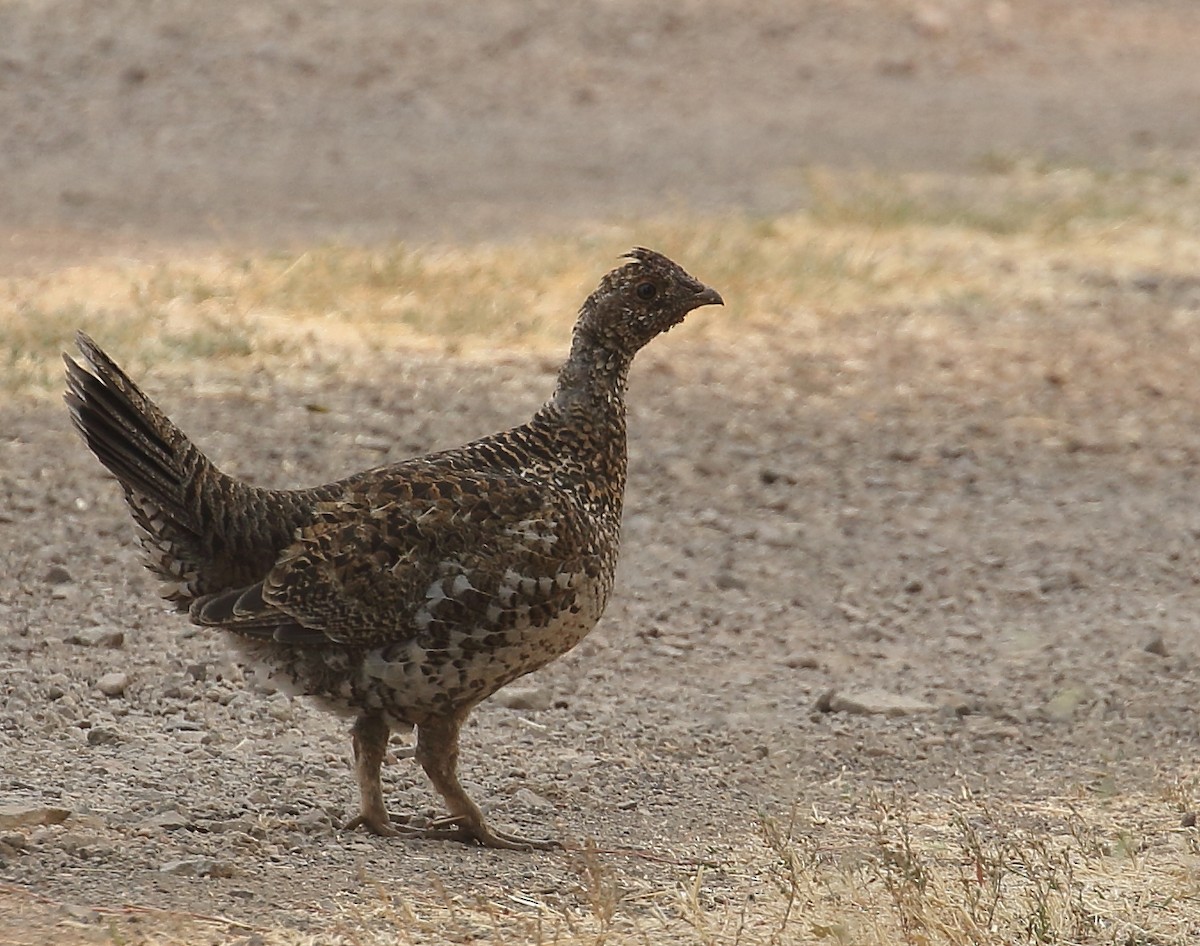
[398, 558]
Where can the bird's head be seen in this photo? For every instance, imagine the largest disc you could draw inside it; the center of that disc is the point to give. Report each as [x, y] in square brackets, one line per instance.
[641, 299]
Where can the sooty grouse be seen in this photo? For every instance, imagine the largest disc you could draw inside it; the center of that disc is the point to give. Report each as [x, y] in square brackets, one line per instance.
[408, 593]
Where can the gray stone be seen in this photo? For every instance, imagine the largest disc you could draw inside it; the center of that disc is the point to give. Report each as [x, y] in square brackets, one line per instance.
[197, 867]
[57, 575]
[102, 736]
[26, 815]
[113, 684]
[524, 698]
[179, 724]
[727, 581]
[1156, 645]
[281, 710]
[97, 637]
[870, 701]
[169, 820]
[367, 442]
[532, 800]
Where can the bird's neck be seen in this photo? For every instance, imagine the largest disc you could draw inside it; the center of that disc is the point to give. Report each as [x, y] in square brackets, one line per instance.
[583, 424]
[592, 383]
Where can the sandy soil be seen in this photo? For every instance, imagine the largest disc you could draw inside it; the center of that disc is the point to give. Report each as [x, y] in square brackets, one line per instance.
[995, 519]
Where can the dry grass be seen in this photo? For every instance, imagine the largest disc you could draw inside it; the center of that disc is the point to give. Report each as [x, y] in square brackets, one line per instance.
[933, 246]
[951, 869]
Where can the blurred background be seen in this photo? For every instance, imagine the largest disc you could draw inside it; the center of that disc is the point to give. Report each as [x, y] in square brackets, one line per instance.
[297, 120]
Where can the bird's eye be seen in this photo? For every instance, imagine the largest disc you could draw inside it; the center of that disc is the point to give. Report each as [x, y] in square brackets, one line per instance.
[646, 291]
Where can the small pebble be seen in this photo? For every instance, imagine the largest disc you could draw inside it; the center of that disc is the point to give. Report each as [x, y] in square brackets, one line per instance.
[12, 842]
[197, 867]
[21, 816]
[954, 705]
[102, 736]
[532, 800]
[871, 701]
[181, 725]
[280, 710]
[85, 916]
[113, 684]
[169, 820]
[727, 581]
[97, 637]
[524, 698]
[57, 575]
[1156, 645]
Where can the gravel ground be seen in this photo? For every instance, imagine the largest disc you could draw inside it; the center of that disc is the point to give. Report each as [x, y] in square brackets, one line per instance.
[999, 537]
[870, 556]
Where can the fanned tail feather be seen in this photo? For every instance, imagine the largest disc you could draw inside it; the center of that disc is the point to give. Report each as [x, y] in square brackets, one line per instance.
[128, 433]
[168, 482]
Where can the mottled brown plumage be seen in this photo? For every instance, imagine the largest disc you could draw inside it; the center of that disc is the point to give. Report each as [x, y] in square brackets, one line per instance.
[409, 593]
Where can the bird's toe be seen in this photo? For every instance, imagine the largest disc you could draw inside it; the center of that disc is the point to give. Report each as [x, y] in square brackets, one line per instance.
[374, 823]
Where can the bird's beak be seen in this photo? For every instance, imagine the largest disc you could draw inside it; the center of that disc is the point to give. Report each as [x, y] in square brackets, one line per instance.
[707, 296]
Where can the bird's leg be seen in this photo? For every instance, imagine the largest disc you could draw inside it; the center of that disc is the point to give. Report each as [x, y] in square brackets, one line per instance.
[437, 751]
[370, 736]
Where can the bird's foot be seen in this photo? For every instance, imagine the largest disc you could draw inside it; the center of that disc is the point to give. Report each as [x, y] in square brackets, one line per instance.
[449, 828]
[375, 823]
[468, 831]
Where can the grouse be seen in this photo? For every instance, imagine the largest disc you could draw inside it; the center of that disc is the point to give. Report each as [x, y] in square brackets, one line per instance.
[405, 594]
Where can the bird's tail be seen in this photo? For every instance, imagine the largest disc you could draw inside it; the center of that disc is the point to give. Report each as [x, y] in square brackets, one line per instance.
[174, 491]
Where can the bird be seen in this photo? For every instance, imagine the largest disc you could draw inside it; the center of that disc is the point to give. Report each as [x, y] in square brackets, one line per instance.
[406, 594]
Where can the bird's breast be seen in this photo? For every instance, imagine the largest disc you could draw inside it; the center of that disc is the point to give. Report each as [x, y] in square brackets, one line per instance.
[464, 665]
